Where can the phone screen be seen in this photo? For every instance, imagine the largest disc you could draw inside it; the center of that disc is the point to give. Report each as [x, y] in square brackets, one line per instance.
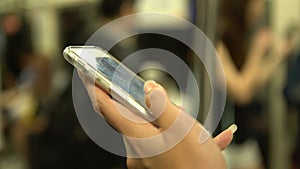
[117, 73]
[122, 77]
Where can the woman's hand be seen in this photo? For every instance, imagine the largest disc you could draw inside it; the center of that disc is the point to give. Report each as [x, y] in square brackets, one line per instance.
[188, 153]
[262, 42]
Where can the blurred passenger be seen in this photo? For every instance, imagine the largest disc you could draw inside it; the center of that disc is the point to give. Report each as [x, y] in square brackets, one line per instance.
[245, 49]
[15, 43]
[21, 102]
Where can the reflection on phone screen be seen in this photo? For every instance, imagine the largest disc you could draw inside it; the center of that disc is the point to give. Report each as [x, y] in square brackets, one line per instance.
[122, 77]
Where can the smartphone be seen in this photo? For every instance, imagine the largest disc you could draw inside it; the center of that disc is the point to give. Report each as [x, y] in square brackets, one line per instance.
[112, 76]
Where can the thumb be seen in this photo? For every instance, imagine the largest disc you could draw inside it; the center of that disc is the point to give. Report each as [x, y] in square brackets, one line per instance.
[157, 100]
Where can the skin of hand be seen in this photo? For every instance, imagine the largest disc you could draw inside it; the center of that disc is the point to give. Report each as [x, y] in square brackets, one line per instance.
[261, 42]
[188, 154]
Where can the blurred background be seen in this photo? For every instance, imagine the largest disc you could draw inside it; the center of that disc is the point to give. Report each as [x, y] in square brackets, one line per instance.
[258, 42]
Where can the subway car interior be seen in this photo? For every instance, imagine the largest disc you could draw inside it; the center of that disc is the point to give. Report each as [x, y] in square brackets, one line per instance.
[222, 62]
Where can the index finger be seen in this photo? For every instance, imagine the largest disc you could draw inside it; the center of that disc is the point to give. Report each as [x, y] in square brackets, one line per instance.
[110, 109]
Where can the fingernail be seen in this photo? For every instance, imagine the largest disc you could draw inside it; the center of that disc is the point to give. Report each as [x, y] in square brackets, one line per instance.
[149, 85]
[233, 128]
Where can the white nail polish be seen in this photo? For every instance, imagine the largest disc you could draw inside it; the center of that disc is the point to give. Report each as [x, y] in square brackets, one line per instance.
[233, 128]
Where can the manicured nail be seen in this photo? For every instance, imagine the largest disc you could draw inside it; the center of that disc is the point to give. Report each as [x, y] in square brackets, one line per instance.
[233, 128]
[149, 85]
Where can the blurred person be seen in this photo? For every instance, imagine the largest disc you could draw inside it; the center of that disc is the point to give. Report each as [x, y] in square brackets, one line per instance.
[16, 42]
[20, 104]
[245, 49]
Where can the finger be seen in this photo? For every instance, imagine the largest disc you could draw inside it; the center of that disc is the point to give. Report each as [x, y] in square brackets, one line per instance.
[90, 89]
[225, 138]
[110, 110]
[160, 105]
